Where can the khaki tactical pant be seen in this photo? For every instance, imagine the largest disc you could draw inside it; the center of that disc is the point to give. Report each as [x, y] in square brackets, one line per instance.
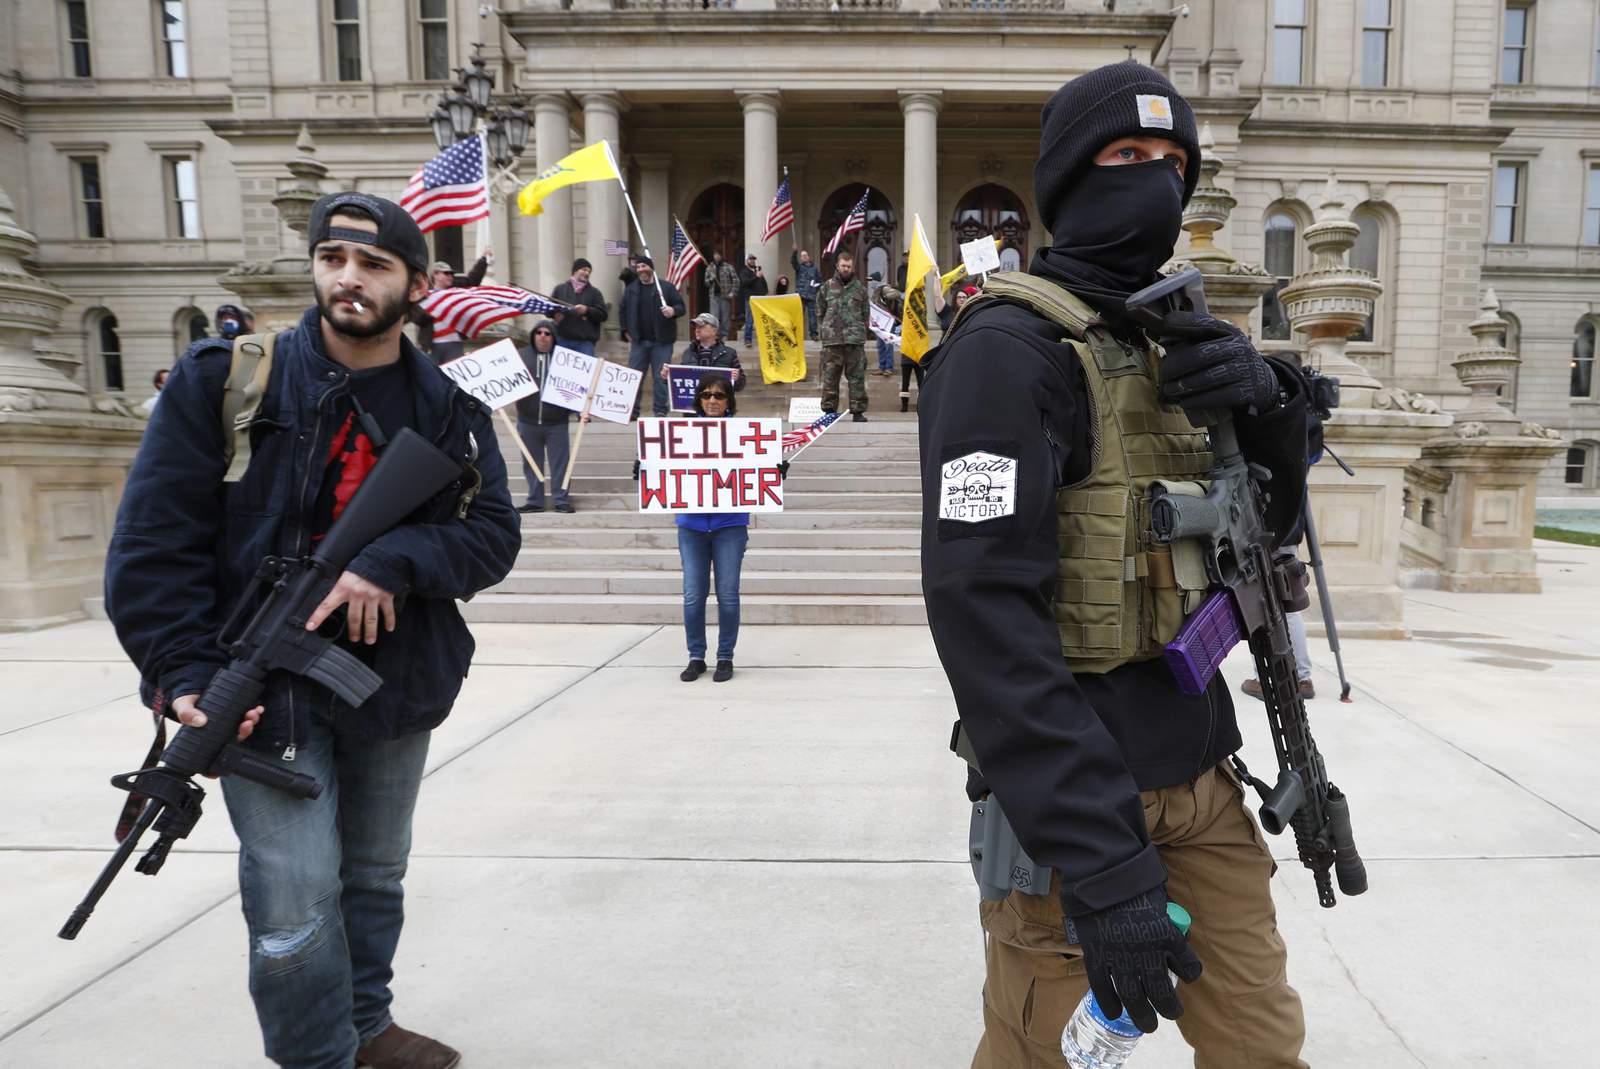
[1240, 1014]
[852, 360]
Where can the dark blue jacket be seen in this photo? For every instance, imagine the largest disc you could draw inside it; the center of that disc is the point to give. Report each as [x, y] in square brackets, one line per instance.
[640, 313]
[186, 546]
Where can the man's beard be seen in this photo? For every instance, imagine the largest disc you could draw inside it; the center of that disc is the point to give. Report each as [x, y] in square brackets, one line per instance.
[385, 314]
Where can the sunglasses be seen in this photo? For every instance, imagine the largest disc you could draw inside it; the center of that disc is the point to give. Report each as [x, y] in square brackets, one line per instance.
[546, 333]
[715, 395]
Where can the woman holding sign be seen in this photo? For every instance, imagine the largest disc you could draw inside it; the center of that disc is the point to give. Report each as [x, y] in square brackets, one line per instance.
[707, 540]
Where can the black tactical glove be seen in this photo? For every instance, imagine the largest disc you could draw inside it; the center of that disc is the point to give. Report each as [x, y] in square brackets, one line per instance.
[1210, 364]
[1127, 950]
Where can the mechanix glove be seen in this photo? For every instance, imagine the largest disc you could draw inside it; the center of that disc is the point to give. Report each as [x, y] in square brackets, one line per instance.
[1210, 364]
[1127, 950]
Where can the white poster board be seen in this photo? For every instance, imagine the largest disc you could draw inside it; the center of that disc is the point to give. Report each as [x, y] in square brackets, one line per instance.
[567, 378]
[613, 396]
[882, 324]
[710, 465]
[980, 255]
[494, 374]
[805, 409]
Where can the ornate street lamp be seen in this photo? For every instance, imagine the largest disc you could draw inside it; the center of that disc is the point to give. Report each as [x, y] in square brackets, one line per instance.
[443, 133]
[479, 80]
[463, 113]
[499, 145]
[517, 125]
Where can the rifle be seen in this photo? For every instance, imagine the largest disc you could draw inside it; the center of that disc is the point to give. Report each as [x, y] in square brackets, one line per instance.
[409, 472]
[1252, 589]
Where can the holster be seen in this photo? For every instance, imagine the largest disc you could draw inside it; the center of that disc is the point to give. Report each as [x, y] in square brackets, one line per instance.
[999, 863]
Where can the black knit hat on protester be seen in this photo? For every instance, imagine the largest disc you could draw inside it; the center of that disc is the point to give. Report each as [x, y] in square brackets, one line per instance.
[1118, 100]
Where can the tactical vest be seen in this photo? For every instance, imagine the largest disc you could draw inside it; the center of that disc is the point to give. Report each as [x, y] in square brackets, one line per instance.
[1119, 596]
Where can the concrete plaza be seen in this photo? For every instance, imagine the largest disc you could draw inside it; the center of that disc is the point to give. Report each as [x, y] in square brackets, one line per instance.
[614, 869]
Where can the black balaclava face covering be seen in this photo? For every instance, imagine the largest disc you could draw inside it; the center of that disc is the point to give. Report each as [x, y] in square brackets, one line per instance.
[1113, 230]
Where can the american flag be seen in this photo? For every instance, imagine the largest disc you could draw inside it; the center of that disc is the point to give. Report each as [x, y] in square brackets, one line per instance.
[794, 441]
[616, 248]
[856, 220]
[685, 257]
[781, 214]
[451, 189]
[463, 311]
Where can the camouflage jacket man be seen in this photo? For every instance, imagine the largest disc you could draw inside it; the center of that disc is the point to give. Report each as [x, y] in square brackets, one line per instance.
[842, 312]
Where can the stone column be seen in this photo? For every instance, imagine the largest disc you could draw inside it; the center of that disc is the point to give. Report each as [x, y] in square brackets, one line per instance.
[921, 195]
[1378, 431]
[1492, 460]
[654, 204]
[552, 137]
[760, 175]
[63, 455]
[608, 218]
[279, 290]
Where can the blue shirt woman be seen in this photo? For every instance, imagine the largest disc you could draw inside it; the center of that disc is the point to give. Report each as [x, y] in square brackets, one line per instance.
[708, 540]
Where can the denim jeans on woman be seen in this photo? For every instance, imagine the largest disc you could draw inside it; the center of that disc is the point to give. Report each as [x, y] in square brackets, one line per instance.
[701, 551]
[320, 885]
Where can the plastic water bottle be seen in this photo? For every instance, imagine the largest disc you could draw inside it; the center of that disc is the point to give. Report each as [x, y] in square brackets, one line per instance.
[1092, 1040]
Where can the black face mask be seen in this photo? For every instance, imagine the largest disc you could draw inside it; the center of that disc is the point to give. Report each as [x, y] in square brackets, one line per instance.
[1115, 228]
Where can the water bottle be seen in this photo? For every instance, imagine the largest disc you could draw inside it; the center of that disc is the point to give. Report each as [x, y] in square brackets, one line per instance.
[1092, 1040]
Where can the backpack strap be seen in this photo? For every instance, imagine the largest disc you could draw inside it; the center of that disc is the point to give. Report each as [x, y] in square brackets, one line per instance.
[241, 398]
[1038, 295]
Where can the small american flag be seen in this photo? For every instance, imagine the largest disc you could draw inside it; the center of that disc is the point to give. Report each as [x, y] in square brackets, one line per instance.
[856, 220]
[463, 311]
[781, 214]
[685, 257]
[451, 189]
[616, 248]
[795, 441]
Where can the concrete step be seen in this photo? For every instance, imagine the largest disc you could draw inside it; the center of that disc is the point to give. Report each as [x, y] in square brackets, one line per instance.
[751, 582]
[831, 519]
[495, 607]
[665, 536]
[797, 502]
[765, 558]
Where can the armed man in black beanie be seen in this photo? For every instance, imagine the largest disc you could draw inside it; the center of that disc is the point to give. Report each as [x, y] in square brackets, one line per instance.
[1045, 418]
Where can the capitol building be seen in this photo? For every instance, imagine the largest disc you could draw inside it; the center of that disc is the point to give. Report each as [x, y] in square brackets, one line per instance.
[144, 141]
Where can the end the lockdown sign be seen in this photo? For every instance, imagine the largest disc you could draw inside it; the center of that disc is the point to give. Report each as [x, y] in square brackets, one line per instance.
[494, 374]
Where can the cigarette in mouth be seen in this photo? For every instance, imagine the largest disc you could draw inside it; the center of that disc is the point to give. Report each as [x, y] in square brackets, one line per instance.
[357, 306]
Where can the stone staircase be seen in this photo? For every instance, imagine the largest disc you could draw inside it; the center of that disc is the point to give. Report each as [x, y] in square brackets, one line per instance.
[843, 551]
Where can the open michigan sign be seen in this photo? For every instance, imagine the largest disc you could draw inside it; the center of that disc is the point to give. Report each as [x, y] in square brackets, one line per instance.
[710, 465]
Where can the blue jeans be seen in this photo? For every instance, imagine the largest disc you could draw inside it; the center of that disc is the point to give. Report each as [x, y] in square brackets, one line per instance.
[650, 357]
[540, 438]
[885, 356]
[699, 550]
[749, 324]
[319, 882]
[584, 347]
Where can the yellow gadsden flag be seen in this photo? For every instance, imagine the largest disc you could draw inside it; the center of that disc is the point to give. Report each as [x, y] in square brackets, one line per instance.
[780, 337]
[592, 164]
[914, 320]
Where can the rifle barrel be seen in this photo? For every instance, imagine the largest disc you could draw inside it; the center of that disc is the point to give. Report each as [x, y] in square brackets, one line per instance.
[130, 843]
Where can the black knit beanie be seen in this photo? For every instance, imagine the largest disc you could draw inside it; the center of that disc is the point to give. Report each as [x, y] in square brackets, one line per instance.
[1118, 100]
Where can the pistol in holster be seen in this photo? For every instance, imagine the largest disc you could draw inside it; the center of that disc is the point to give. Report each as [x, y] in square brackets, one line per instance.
[999, 863]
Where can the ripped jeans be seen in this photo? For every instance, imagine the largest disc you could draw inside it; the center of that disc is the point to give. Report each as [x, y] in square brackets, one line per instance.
[319, 881]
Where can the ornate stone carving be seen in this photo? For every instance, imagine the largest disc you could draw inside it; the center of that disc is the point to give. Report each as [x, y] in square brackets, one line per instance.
[855, 166]
[991, 165]
[1487, 368]
[724, 166]
[1534, 430]
[1330, 300]
[1395, 399]
[1233, 289]
[16, 399]
[30, 307]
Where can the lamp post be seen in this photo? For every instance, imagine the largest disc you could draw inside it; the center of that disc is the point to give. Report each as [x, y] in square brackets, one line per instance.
[468, 108]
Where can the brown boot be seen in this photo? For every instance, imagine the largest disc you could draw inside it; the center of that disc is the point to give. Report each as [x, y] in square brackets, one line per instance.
[1252, 687]
[395, 1048]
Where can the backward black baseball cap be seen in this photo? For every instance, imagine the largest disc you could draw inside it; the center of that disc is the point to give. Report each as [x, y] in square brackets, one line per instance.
[397, 231]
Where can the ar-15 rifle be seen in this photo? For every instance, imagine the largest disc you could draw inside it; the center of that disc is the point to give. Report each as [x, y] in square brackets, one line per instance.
[1252, 590]
[409, 472]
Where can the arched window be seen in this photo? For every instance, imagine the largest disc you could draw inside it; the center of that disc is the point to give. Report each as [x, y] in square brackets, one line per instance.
[1583, 360]
[1581, 464]
[188, 326]
[105, 350]
[1367, 255]
[993, 209]
[1280, 236]
[872, 246]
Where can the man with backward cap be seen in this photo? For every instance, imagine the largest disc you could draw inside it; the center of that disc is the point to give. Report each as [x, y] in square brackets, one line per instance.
[319, 880]
[1045, 417]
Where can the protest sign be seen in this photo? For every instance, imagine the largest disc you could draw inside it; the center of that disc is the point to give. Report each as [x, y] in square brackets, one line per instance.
[683, 382]
[805, 409]
[780, 331]
[980, 255]
[494, 374]
[710, 465]
[882, 324]
[613, 396]
[568, 377]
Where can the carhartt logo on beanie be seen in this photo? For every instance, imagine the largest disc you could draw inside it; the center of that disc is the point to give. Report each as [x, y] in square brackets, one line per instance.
[1119, 100]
